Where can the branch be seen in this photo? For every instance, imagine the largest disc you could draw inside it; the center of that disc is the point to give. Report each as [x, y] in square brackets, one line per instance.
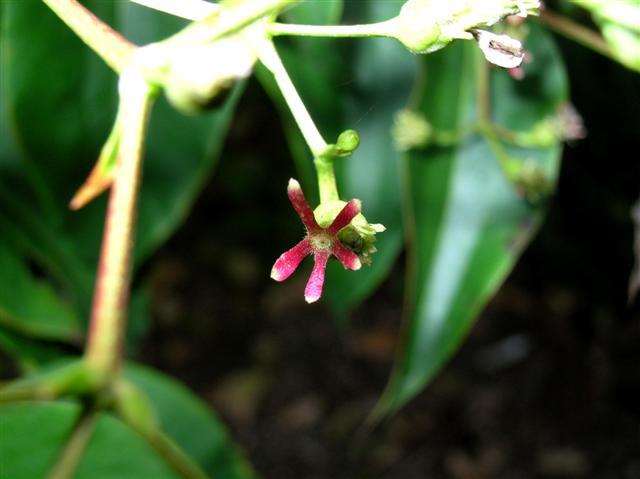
[109, 312]
[112, 47]
[73, 451]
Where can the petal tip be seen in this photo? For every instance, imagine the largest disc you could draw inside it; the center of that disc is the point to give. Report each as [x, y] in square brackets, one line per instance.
[311, 298]
[293, 185]
[276, 274]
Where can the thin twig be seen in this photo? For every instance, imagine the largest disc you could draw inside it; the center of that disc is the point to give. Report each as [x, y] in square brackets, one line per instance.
[112, 47]
[576, 32]
[109, 312]
[73, 450]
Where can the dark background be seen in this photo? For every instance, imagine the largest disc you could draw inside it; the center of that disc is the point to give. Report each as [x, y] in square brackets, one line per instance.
[547, 384]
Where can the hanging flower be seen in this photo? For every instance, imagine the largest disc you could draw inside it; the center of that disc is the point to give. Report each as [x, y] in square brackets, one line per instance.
[320, 242]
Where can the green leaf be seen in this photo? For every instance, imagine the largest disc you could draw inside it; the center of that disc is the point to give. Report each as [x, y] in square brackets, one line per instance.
[28, 450]
[58, 122]
[29, 354]
[30, 305]
[33, 435]
[191, 424]
[467, 223]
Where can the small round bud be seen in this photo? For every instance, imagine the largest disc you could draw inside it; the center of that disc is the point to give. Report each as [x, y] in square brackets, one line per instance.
[198, 76]
[348, 141]
[418, 29]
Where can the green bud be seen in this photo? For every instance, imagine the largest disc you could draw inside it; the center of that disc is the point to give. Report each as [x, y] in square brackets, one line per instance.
[198, 77]
[348, 141]
[531, 180]
[359, 236]
[425, 26]
[411, 130]
[418, 28]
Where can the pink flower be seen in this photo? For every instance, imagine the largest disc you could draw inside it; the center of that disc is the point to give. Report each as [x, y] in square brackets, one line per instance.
[321, 242]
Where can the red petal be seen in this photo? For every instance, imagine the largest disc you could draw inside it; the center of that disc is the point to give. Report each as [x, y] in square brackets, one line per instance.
[345, 216]
[287, 263]
[301, 206]
[346, 256]
[313, 291]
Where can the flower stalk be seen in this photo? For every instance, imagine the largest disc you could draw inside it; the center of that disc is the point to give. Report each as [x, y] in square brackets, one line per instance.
[109, 312]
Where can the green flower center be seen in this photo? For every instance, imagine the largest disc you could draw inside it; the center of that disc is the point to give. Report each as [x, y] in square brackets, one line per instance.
[321, 241]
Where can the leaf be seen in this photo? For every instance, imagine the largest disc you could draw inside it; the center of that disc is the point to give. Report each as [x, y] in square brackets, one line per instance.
[33, 435]
[467, 224]
[60, 121]
[191, 424]
[29, 305]
[29, 354]
[362, 92]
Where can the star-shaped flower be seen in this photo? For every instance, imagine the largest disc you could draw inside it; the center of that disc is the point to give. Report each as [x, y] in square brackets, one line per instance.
[320, 242]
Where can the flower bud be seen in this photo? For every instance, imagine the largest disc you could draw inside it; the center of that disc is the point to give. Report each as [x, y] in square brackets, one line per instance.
[359, 236]
[348, 141]
[411, 130]
[531, 180]
[198, 76]
[425, 26]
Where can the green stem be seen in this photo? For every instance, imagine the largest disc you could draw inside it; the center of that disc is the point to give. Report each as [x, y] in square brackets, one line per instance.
[380, 29]
[484, 125]
[170, 452]
[188, 9]
[108, 316]
[114, 49]
[269, 57]
[483, 90]
[74, 449]
[326, 178]
[576, 32]
[228, 20]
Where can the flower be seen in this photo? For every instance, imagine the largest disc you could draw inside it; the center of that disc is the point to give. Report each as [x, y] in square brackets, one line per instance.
[320, 242]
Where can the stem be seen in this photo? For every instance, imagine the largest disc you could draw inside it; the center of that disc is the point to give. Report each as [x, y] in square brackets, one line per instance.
[484, 125]
[326, 178]
[227, 20]
[108, 316]
[576, 32]
[380, 29]
[73, 451]
[269, 57]
[170, 452]
[112, 47]
[483, 90]
[188, 9]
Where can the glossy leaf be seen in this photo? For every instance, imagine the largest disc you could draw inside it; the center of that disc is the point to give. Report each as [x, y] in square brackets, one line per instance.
[30, 305]
[467, 223]
[114, 450]
[33, 435]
